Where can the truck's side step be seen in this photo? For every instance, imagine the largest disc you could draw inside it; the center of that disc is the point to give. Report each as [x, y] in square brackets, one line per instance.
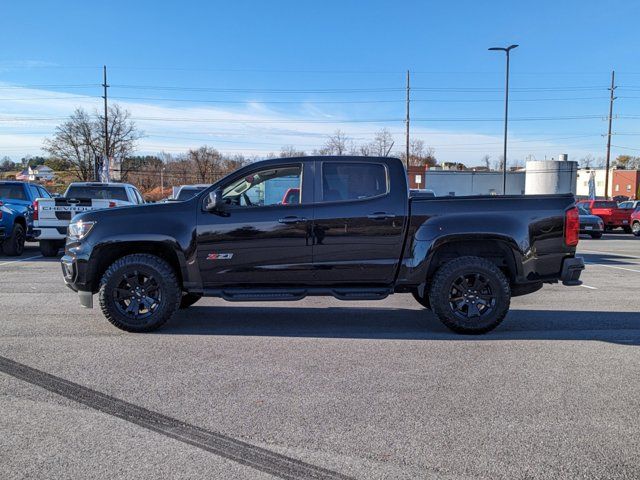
[361, 293]
[284, 294]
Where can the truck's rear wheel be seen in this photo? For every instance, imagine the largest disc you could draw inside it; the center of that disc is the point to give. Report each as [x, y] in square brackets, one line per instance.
[189, 299]
[139, 293]
[470, 295]
[635, 229]
[13, 245]
[50, 248]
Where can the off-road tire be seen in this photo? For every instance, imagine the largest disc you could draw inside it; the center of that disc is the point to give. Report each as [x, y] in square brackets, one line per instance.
[443, 283]
[144, 264]
[424, 301]
[13, 245]
[50, 248]
[596, 236]
[189, 299]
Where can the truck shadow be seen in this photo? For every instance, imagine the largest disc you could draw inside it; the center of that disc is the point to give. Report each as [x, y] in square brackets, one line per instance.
[605, 259]
[400, 324]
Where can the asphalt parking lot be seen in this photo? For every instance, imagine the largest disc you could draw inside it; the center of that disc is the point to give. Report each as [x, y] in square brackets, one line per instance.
[322, 388]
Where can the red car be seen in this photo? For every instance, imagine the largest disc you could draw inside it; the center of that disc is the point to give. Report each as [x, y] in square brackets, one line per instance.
[291, 196]
[608, 211]
[635, 222]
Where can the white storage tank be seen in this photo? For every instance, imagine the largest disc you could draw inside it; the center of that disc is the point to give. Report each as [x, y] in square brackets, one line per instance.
[550, 176]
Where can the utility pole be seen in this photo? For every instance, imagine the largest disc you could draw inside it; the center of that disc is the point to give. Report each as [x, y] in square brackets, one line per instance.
[611, 99]
[407, 126]
[106, 120]
[507, 50]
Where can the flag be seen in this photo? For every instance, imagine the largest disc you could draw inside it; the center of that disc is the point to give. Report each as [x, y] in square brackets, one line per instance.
[592, 185]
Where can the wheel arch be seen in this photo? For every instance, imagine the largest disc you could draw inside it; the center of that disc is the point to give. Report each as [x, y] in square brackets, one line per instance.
[104, 255]
[498, 250]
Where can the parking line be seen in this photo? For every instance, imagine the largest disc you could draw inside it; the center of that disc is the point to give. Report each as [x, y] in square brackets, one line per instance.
[588, 286]
[617, 268]
[21, 260]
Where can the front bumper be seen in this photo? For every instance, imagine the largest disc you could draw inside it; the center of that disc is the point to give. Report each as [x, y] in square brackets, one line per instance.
[572, 268]
[74, 273]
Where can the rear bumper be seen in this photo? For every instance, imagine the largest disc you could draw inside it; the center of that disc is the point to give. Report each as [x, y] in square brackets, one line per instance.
[572, 268]
[50, 233]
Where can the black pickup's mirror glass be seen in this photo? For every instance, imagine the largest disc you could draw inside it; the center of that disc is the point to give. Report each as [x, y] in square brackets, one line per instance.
[214, 201]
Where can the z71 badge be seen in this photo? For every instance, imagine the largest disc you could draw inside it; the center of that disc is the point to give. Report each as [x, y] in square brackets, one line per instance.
[220, 256]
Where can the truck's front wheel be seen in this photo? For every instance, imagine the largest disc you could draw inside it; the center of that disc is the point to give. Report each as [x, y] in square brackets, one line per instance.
[139, 293]
[470, 295]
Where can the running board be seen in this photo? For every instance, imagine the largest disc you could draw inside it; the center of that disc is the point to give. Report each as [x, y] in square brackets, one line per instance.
[292, 294]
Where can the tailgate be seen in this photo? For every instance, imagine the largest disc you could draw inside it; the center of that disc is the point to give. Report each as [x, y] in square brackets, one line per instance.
[56, 212]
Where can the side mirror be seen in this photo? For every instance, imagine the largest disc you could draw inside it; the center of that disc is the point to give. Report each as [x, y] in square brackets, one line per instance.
[215, 202]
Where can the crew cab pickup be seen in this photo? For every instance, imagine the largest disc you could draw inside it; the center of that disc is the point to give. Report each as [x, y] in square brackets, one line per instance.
[609, 212]
[17, 200]
[354, 233]
[52, 215]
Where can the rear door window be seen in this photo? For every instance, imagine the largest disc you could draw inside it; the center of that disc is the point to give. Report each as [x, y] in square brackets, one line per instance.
[12, 192]
[97, 192]
[342, 181]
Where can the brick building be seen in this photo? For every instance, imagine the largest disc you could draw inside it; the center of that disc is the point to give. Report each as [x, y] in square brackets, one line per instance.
[626, 183]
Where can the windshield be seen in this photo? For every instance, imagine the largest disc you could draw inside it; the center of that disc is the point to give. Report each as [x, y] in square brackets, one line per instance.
[100, 192]
[13, 192]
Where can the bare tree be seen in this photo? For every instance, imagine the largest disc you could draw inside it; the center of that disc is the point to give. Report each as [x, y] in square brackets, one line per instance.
[382, 143]
[486, 161]
[76, 141]
[587, 161]
[289, 151]
[336, 144]
[419, 154]
[80, 140]
[207, 163]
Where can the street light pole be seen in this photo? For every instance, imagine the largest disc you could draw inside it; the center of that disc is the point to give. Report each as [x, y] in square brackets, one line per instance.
[507, 50]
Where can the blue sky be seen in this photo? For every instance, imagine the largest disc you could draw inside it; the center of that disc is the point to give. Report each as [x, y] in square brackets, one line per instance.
[249, 76]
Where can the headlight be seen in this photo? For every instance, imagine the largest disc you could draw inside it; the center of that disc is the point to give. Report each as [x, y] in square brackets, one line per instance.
[78, 230]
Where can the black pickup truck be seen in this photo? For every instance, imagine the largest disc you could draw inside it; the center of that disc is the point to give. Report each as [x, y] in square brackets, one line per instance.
[353, 232]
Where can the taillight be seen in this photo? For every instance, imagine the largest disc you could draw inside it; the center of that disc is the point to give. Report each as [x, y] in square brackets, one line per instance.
[571, 227]
[112, 204]
[35, 209]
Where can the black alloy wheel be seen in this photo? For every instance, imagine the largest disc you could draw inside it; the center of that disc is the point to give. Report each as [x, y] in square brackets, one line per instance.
[138, 295]
[471, 296]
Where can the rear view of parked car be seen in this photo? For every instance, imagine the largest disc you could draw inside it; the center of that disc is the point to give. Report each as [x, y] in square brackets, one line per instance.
[17, 214]
[590, 224]
[609, 212]
[52, 215]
